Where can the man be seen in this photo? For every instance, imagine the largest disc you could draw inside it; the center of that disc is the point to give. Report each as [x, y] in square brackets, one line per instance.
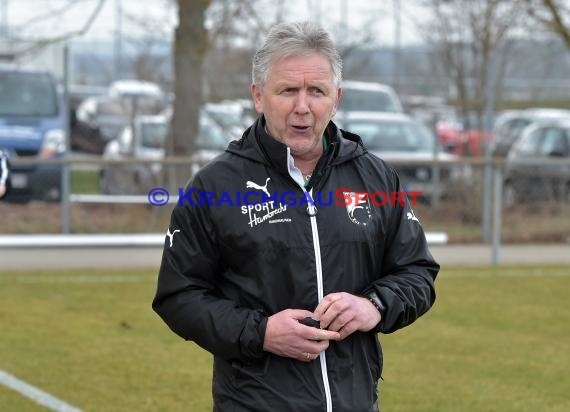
[257, 247]
[4, 174]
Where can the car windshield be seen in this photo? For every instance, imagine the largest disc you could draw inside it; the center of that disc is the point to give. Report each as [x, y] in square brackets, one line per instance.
[211, 136]
[154, 135]
[393, 136]
[515, 127]
[528, 144]
[367, 101]
[27, 94]
[225, 116]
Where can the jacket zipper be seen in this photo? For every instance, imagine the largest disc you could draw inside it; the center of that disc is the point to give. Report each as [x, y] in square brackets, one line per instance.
[312, 210]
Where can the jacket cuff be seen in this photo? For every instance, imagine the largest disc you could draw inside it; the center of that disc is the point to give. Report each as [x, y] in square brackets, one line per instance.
[379, 305]
[253, 337]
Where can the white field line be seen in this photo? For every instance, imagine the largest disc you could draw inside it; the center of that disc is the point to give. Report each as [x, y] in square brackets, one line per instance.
[35, 394]
[120, 239]
[82, 240]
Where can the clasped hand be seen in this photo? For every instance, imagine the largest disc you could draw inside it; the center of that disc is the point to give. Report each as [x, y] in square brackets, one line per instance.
[340, 315]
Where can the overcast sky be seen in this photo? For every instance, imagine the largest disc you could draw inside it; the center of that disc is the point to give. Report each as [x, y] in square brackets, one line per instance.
[41, 17]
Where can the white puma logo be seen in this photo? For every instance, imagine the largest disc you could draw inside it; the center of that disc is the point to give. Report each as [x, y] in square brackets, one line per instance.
[171, 235]
[359, 199]
[252, 185]
[411, 216]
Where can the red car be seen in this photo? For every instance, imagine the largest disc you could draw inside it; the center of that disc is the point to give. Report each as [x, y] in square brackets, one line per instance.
[456, 140]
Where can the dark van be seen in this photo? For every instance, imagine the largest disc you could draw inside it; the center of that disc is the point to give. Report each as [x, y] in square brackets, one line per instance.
[32, 125]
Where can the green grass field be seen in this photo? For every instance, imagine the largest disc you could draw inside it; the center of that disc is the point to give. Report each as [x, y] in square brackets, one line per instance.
[497, 340]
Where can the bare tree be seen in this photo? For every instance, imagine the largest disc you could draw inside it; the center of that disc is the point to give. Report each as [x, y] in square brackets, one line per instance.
[191, 44]
[229, 21]
[28, 44]
[465, 36]
[554, 15]
[147, 62]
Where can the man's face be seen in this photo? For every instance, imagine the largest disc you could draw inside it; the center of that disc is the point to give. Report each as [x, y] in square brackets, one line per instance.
[298, 100]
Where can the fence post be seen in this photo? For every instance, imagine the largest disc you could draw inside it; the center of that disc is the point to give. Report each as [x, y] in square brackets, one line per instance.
[487, 189]
[489, 111]
[65, 175]
[435, 175]
[497, 210]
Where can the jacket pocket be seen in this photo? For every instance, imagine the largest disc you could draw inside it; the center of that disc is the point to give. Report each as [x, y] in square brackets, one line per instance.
[377, 363]
[250, 372]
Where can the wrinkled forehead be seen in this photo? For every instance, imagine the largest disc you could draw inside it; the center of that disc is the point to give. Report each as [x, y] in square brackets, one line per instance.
[310, 63]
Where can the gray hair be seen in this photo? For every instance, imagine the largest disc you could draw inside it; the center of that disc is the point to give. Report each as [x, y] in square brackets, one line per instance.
[294, 39]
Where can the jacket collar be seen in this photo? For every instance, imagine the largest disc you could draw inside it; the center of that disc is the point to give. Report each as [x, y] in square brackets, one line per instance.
[257, 145]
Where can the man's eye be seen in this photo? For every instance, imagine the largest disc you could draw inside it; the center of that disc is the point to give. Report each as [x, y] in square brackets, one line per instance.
[317, 91]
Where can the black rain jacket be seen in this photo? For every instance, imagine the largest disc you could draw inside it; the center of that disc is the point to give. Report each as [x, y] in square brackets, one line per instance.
[228, 265]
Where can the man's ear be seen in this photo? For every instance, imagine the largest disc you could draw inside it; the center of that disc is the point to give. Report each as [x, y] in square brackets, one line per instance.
[338, 97]
[256, 95]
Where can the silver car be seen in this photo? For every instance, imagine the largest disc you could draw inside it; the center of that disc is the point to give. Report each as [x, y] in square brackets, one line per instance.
[509, 126]
[368, 97]
[409, 147]
[538, 165]
[146, 141]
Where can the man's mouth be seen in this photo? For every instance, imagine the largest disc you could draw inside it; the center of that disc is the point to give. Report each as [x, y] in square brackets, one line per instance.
[300, 128]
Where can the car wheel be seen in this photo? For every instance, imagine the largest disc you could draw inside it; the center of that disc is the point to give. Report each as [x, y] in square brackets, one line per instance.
[510, 197]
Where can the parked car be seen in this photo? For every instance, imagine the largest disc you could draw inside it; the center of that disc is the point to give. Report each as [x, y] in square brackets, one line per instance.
[528, 175]
[32, 125]
[368, 97]
[463, 137]
[398, 138]
[231, 116]
[84, 137]
[79, 93]
[456, 135]
[146, 141]
[509, 126]
[100, 119]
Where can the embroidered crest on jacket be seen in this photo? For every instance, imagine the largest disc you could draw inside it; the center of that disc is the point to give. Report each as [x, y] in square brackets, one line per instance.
[358, 208]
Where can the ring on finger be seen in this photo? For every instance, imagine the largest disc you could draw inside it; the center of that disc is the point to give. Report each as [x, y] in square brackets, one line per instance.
[308, 355]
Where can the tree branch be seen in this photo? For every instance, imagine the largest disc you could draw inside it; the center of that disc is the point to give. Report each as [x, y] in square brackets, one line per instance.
[549, 15]
[558, 24]
[56, 39]
[50, 14]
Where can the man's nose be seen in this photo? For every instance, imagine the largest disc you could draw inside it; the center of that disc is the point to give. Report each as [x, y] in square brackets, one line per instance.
[302, 104]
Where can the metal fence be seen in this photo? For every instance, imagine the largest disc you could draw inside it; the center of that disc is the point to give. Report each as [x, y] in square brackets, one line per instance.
[461, 202]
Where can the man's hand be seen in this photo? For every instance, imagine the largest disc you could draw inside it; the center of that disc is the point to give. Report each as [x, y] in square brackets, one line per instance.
[346, 313]
[2, 190]
[285, 336]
